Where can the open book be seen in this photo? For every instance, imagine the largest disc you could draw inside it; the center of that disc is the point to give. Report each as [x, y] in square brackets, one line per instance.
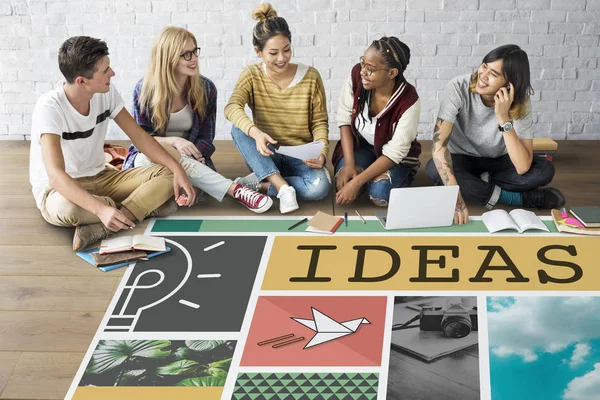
[136, 242]
[519, 220]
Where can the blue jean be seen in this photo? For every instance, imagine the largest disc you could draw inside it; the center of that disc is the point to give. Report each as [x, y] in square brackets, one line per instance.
[310, 183]
[379, 191]
[502, 175]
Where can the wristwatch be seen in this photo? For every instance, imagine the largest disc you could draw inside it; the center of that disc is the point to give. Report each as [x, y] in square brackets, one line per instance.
[506, 127]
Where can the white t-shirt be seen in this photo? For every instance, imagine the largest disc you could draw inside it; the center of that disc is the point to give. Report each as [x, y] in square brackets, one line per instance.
[365, 126]
[82, 136]
[180, 122]
[405, 130]
[475, 130]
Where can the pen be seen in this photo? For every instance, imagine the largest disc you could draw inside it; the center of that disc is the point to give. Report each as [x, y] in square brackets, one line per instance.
[297, 223]
[346, 218]
[360, 216]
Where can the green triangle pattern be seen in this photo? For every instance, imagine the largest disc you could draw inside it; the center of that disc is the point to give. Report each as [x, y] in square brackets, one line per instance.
[306, 386]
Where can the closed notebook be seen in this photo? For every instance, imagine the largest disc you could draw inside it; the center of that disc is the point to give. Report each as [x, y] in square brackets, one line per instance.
[101, 260]
[86, 255]
[324, 223]
[563, 226]
[589, 216]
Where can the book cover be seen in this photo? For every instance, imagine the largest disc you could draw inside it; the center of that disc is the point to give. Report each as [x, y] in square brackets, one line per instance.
[589, 216]
[563, 227]
[324, 223]
[545, 144]
[136, 242]
[87, 257]
[102, 260]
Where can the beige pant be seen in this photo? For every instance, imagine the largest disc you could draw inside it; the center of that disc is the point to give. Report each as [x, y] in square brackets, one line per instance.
[140, 190]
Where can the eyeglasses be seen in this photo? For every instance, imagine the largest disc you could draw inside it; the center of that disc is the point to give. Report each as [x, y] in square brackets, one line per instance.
[187, 55]
[367, 68]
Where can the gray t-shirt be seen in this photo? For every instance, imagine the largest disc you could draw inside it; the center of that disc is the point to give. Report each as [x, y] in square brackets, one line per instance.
[475, 130]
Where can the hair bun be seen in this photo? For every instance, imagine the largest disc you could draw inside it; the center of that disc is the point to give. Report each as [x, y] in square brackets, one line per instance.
[264, 12]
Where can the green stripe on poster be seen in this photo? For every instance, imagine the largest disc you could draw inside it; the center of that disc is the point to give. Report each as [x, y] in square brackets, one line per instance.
[282, 225]
[177, 225]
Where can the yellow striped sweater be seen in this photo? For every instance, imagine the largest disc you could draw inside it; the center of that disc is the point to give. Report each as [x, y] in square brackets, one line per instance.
[292, 116]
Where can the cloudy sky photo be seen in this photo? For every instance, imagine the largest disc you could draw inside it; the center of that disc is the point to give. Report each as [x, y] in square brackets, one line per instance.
[544, 347]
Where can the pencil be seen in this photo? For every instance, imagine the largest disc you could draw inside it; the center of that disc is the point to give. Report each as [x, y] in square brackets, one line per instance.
[298, 339]
[276, 339]
[297, 223]
[360, 216]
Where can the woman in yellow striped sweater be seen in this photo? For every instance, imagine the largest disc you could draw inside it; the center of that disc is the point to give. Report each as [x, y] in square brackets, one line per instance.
[288, 108]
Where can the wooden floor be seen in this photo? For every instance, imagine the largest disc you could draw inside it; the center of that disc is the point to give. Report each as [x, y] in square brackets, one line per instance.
[51, 302]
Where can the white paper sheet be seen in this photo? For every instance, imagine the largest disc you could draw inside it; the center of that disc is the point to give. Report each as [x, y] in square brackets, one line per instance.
[303, 151]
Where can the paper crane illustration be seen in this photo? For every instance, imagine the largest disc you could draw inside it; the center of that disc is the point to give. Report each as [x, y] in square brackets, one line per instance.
[327, 328]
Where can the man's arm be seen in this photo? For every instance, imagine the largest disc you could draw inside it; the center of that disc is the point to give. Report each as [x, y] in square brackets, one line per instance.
[443, 162]
[71, 190]
[520, 151]
[151, 148]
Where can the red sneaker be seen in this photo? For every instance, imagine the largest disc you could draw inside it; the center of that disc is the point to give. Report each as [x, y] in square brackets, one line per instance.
[253, 200]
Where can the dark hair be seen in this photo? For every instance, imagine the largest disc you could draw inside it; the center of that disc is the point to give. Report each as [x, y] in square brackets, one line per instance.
[79, 55]
[268, 25]
[515, 69]
[395, 54]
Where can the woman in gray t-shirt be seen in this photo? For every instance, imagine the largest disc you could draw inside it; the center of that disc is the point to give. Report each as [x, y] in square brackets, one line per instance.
[483, 139]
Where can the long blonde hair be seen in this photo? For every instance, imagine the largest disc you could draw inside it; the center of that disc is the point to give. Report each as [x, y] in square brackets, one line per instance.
[160, 86]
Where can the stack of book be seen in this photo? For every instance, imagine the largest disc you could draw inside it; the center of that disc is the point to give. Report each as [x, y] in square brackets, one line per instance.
[583, 220]
[123, 251]
[544, 147]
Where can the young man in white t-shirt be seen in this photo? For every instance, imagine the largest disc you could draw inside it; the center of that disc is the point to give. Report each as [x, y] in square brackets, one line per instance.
[67, 170]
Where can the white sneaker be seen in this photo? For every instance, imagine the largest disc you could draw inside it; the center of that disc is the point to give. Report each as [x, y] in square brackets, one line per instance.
[287, 199]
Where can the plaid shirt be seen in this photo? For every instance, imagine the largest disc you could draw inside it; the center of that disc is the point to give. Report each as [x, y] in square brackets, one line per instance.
[202, 133]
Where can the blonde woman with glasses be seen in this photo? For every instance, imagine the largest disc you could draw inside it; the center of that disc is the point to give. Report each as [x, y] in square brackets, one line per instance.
[177, 106]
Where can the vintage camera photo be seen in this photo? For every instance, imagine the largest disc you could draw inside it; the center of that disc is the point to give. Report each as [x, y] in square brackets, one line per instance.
[435, 351]
[455, 320]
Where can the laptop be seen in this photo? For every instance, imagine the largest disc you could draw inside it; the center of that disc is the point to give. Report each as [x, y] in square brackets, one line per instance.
[420, 207]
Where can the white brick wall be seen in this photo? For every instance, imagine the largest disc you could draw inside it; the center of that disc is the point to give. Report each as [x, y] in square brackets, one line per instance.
[447, 38]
